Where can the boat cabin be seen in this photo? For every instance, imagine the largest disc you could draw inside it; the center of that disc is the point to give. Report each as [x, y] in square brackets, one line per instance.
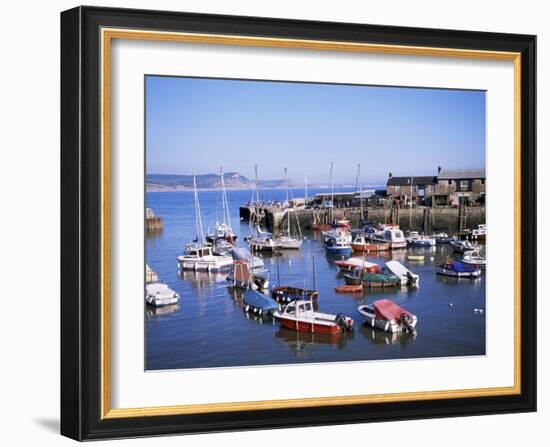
[198, 251]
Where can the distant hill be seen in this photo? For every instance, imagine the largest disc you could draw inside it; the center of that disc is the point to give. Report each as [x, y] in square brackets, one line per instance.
[233, 180]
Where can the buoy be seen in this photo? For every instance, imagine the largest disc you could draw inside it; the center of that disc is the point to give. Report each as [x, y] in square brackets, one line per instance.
[450, 304]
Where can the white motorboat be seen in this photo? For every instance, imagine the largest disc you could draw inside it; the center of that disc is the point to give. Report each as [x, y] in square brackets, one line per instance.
[201, 258]
[417, 240]
[473, 258]
[407, 277]
[462, 246]
[392, 236]
[159, 294]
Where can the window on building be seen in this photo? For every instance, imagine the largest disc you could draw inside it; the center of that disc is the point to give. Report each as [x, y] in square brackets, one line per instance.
[397, 189]
[464, 184]
[450, 182]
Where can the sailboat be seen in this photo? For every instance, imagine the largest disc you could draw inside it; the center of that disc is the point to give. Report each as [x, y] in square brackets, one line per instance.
[223, 230]
[337, 241]
[198, 256]
[264, 240]
[286, 240]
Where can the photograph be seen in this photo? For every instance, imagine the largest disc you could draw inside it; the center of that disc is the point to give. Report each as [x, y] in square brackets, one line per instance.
[296, 222]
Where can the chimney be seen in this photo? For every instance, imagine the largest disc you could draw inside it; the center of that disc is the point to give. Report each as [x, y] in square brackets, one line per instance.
[438, 170]
[389, 175]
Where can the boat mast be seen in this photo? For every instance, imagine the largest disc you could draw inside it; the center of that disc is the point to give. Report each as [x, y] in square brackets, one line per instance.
[314, 275]
[411, 206]
[305, 184]
[332, 191]
[287, 201]
[198, 220]
[358, 185]
[225, 203]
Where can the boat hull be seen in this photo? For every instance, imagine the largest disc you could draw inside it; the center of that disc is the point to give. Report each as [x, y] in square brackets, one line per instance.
[286, 294]
[455, 274]
[368, 248]
[219, 265]
[311, 327]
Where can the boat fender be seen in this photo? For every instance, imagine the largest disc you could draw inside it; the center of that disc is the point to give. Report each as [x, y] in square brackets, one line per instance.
[247, 308]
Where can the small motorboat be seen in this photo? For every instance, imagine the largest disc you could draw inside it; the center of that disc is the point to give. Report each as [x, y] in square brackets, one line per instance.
[458, 270]
[348, 265]
[387, 316]
[338, 233]
[462, 246]
[361, 243]
[416, 240]
[222, 231]
[286, 294]
[407, 277]
[380, 279]
[474, 258]
[337, 245]
[159, 294]
[259, 303]
[443, 238]
[300, 316]
[199, 257]
[392, 236]
[242, 278]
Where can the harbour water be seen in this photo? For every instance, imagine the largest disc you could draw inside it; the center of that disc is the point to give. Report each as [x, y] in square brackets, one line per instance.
[209, 328]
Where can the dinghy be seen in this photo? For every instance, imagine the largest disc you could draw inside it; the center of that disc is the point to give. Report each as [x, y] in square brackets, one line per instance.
[462, 246]
[159, 294]
[387, 316]
[361, 243]
[407, 277]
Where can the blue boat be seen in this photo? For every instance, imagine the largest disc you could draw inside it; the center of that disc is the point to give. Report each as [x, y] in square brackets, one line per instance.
[458, 270]
[338, 246]
[259, 303]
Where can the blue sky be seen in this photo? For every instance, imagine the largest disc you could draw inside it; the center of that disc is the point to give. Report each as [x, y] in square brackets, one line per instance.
[203, 124]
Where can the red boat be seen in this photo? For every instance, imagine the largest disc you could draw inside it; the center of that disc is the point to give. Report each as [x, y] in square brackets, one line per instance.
[351, 264]
[300, 316]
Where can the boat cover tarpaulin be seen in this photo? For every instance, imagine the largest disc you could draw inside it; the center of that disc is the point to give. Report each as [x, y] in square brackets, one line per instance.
[388, 310]
[460, 267]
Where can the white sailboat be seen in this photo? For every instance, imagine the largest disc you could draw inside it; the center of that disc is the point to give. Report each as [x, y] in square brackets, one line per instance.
[287, 241]
[223, 230]
[264, 241]
[198, 256]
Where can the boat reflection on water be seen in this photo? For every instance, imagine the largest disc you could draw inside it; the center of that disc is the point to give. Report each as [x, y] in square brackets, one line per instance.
[454, 281]
[379, 337]
[201, 279]
[300, 342]
[152, 311]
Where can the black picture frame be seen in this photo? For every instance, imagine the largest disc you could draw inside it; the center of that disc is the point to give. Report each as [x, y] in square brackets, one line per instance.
[81, 223]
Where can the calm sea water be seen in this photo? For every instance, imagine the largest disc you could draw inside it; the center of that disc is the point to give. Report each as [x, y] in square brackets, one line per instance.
[208, 328]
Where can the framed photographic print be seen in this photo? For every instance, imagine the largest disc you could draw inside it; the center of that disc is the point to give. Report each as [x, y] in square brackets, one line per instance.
[278, 223]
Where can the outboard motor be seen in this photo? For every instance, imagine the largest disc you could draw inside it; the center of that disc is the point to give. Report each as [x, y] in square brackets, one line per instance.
[342, 321]
[406, 322]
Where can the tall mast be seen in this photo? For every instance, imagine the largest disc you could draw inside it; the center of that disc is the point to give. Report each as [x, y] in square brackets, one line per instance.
[305, 183]
[225, 203]
[411, 205]
[359, 186]
[332, 190]
[198, 219]
[287, 200]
